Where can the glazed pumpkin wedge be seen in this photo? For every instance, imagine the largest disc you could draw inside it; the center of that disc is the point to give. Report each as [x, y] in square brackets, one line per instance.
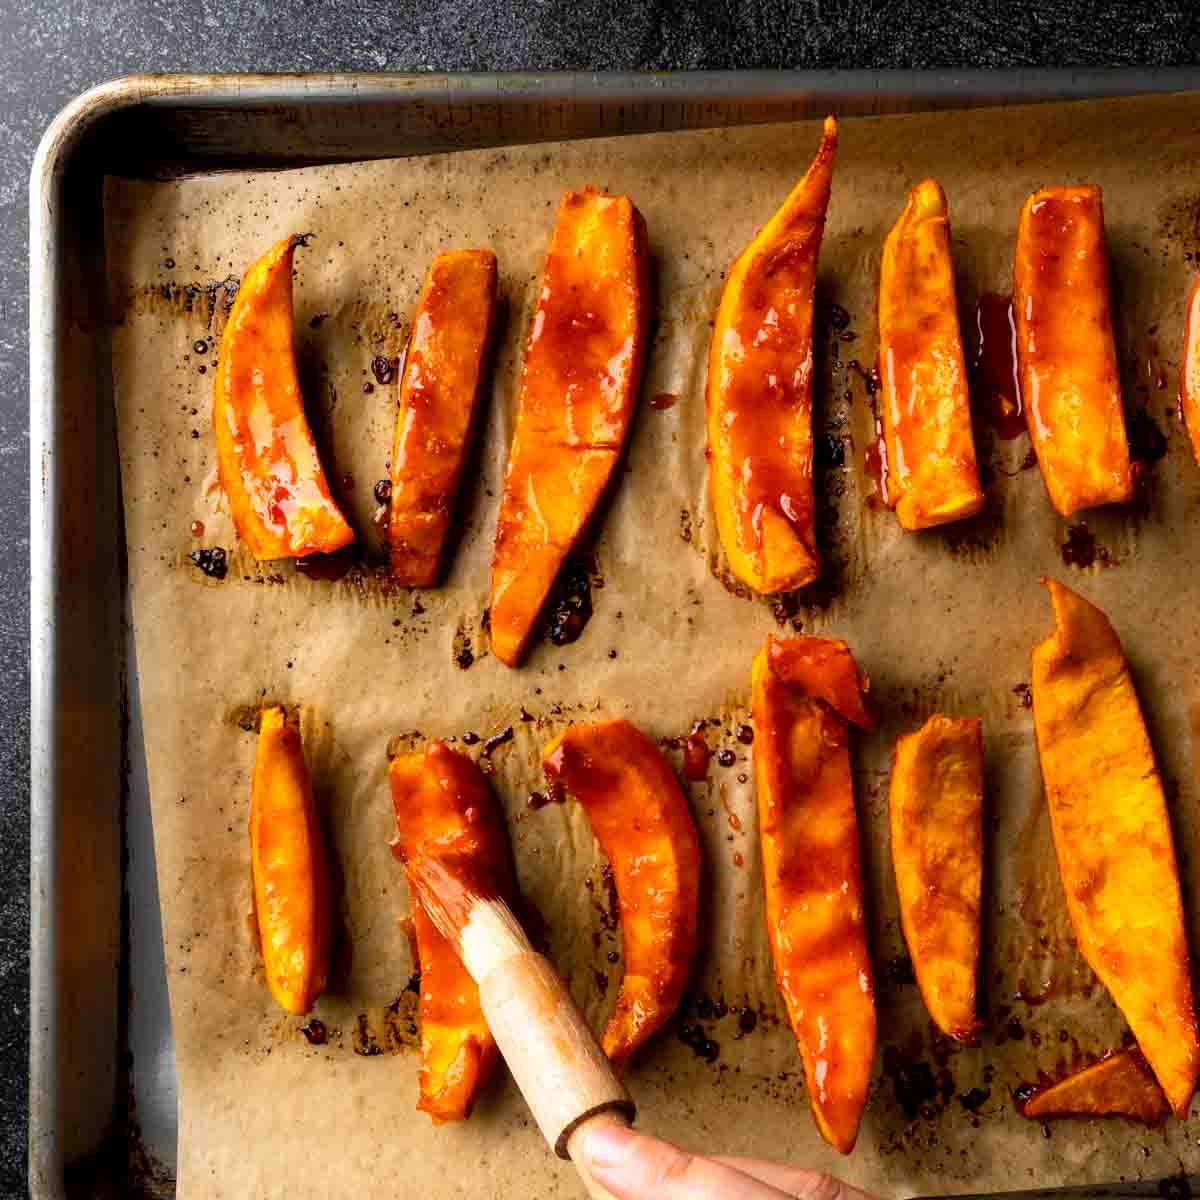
[1189, 374]
[1066, 352]
[1119, 1085]
[290, 867]
[579, 386]
[932, 477]
[1112, 836]
[760, 368]
[439, 401]
[804, 693]
[266, 457]
[936, 811]
[643, 823]
[445, 810]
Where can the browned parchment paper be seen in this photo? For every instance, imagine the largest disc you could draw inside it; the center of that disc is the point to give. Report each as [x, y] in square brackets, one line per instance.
[943, 621]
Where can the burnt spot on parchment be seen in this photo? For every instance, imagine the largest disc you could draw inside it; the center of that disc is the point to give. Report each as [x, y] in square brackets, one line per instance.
[212, 561]
[209, 303]
[686, 530]
[920, 1086]
[696, 1038]
[570, 605]
[315, 1032]
[1179, 224]
[393, 1028]
[1079, 548]
[463, 651]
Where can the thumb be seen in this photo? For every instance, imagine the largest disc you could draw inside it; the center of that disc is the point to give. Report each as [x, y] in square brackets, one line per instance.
[635, 1167]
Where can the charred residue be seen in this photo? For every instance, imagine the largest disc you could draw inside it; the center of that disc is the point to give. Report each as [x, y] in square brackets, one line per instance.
[1147, 442]
[1179, 222]
[1080, 549]
[570, 606]
[464, 655]
[363, 1041]
[212, 561]
[315, 1032]
[696, 1038]
[922, 1088]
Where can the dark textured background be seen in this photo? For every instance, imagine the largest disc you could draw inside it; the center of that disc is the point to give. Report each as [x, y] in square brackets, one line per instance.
[49, 52]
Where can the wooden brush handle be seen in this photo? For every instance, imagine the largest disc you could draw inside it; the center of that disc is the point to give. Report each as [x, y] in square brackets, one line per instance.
[563, 1074]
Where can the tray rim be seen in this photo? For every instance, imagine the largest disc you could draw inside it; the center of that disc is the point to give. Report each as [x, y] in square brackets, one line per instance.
[68, 144]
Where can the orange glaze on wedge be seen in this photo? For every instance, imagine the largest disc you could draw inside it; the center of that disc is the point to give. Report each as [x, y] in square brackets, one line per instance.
[1121, 1085]
[290, 868]
[444, 809]
[643, 823]
[439, 401]
[936, 810]
[579, 387]
[266, 456]
[760, 368]
[1112, 835]
[932, 475]
[812, 871]
[1066, 353]
[1189, 375]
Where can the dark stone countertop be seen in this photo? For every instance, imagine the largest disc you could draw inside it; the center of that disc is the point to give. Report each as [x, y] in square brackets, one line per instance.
[51, 52]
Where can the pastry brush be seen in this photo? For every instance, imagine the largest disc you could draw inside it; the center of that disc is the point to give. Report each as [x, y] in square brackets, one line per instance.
[559, 1067]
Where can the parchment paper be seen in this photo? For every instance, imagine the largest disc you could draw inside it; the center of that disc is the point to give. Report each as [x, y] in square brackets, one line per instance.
[943, 621]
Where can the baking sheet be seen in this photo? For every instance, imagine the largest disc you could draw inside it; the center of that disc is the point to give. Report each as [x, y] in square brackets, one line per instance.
[943, 622]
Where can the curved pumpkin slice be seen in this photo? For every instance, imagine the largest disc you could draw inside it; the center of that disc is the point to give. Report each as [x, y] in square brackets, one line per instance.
[266, 457]
[932, 474]
[936, 808]
[583, 369]
[760, 367]
[1066, 353]
[813, 879]
[439, 400]
[1189, 375]
[1120, 1085]
[1112, 836]
[444, 810]
[290, 867]
[644, 825]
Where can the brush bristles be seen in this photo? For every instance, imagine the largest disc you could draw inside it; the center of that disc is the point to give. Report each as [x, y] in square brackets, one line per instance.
[475, 921]
[442, 896]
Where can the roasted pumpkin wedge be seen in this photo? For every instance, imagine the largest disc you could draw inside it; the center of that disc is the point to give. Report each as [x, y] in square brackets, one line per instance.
[439, 401]
[1066, 352]
[643, 823]
[760, 369]
[579, 387]
[290, 867]
[1112, 836]
[266, 456]
[1120, 1084]
[933, 477]
[445, 810]
[1189, 375]
[936, 809]
[812, 871]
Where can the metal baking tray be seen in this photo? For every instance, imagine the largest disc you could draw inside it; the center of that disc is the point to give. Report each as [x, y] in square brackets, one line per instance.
[102, 1098]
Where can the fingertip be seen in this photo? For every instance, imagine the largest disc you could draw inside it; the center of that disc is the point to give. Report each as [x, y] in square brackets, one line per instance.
[605, 1144]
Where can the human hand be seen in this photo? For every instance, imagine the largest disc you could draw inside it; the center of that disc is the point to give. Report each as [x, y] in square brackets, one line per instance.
[634, 1166]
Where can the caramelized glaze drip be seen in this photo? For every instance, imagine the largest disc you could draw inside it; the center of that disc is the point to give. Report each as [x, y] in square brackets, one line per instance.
[994, 366]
